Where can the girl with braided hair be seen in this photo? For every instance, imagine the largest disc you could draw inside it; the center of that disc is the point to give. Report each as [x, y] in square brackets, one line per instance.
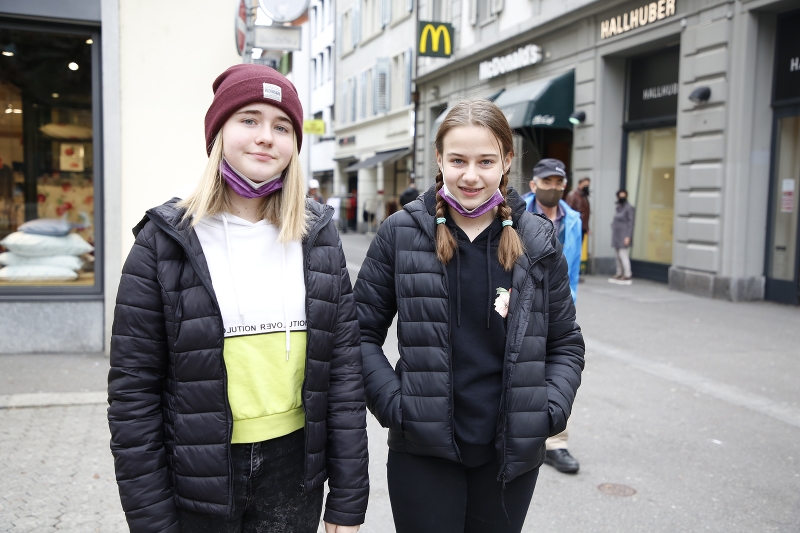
[490, 354]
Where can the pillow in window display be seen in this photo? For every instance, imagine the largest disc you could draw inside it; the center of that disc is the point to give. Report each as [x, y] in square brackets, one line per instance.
[30, 245]
[47, 226]
[31, 273]
[71, 262]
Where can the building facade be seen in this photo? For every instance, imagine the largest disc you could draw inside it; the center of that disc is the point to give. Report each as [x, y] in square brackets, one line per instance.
[691, 105]
[322, 30]
[104, 103]
[373, 107]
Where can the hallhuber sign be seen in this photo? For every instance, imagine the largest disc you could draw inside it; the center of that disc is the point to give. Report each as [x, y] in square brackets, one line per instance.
[637, 17]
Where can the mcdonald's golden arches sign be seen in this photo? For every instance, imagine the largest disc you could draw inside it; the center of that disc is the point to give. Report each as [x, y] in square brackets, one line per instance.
[435, 39]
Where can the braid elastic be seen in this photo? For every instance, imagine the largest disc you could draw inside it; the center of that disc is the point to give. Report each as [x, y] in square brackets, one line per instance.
[445, 242]
[510, 248]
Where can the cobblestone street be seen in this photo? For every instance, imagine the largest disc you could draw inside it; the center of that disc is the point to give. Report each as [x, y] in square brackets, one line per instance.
[57, 473]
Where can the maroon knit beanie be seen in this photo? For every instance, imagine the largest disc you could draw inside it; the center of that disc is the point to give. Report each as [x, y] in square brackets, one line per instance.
[244, 84]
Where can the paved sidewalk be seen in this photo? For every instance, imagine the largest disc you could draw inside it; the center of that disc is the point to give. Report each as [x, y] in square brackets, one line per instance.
[692, 403]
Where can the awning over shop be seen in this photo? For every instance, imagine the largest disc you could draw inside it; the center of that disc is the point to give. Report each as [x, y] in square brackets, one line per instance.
[380, 158]
[545, 103]
[438, 122]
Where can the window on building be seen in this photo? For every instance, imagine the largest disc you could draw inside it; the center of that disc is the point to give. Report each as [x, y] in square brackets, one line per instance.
[346, 32]
[328, 64]
[483, 10]
[398, 81]
[353, 100]
[312, 20]
[650, 180]
[372, 15]
[401, 8]
[381, 87]
[318, 138]
[436, 10]
[362, 95]
[47, 161]
[344, 99]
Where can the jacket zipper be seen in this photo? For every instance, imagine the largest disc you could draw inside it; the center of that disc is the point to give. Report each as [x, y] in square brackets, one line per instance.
[309, 244]
[507, 384]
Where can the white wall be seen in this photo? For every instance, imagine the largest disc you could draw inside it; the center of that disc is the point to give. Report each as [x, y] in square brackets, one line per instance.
[169, 55]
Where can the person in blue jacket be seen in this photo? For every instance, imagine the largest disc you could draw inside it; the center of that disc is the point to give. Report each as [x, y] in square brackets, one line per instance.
[547, 188]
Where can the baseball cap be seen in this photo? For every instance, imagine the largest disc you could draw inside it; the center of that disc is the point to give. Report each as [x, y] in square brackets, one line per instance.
[549, 167]
[313, 184]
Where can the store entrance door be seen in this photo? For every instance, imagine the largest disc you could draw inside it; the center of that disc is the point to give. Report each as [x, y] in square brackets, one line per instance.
[783, 251]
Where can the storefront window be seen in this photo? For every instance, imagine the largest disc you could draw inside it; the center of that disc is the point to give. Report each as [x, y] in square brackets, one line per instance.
[651, 190]
[783, 249]
[47, 206]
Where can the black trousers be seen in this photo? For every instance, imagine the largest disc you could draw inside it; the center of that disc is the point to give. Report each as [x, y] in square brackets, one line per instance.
[268, 497]
[432, 495]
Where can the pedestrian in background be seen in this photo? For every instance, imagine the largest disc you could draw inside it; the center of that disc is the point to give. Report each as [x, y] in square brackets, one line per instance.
[409, 194]
[578, 199]
[313, 191]
[235, 386]
[622, 238]
[481, 291]
[547, 188]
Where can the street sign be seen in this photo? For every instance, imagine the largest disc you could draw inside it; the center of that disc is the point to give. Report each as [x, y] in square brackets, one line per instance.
[277, 38]
[240, 28]
[435, 39]
[314, 127]
[284, 10]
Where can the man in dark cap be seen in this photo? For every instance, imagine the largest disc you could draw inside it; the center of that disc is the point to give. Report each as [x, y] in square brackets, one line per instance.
[547, 188]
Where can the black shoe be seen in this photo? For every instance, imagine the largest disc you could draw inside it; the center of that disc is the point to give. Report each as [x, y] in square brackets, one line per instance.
[562, 461]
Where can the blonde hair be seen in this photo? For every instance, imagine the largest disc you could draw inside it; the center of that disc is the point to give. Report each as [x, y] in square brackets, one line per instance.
[485, 114]
[285, 208]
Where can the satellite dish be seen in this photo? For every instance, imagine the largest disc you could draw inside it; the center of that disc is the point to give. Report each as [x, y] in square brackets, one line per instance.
[283, 10]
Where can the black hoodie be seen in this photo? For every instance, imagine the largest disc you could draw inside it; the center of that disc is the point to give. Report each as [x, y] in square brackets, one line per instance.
[477, 340]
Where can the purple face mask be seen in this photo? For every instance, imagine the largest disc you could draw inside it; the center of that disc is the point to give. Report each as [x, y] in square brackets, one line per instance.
[245, 187]
[493, 201]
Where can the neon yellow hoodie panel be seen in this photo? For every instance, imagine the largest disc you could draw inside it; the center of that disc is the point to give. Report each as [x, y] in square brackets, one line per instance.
[264, 387]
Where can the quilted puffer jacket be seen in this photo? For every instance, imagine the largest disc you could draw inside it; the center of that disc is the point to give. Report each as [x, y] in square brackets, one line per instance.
[169, 414]
[544, 346]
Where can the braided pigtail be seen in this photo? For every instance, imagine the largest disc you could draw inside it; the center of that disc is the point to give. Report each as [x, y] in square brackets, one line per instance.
[510, 248]
[445, 242]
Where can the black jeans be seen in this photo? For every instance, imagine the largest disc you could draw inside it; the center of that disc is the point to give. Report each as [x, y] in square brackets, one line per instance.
[267, 492]
[432, 495]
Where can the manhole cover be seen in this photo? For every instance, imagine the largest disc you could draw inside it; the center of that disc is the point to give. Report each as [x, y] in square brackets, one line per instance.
[614, 489]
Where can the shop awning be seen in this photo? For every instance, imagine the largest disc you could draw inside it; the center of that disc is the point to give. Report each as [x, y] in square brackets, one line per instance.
[545, 103]
[438, 122]
[380, 158]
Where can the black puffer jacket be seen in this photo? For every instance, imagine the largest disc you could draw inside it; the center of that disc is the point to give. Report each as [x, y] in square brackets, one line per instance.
[544, 345]
[169, 415]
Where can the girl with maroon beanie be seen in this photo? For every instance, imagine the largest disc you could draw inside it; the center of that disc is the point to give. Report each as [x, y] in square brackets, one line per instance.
[235, 387]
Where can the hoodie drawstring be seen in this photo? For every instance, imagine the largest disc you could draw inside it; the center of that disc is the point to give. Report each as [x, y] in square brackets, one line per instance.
[230, 266]
[285, 312]
[458, 284]
[489, 273]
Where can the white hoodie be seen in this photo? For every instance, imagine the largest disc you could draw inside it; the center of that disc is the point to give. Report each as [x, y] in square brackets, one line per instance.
[259, 282]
